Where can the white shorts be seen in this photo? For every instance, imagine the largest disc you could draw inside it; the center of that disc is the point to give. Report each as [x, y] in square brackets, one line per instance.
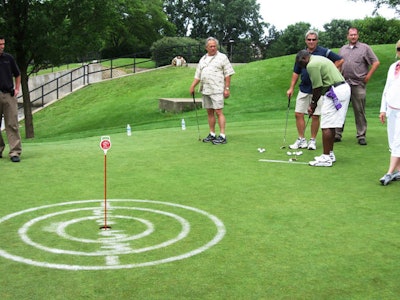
[330, 116]
[215, 101]
[303, 101]
[393, 130]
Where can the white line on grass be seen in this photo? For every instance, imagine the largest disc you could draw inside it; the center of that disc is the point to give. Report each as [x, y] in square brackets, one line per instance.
[283, 161]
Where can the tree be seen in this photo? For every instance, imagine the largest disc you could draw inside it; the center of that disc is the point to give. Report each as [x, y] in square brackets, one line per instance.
[226, 20]
[378, 30]
[179, 15]
[137, 25]
[40, 33]
[335, 33]
[267, 50]
[290, 41]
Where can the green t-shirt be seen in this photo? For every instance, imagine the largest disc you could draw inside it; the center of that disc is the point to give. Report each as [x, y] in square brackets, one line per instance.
[323, 72]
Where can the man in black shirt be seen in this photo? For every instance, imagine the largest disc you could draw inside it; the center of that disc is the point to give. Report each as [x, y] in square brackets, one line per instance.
[8, 102]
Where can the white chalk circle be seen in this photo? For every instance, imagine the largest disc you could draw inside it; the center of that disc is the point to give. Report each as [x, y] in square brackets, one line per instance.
[110, 255]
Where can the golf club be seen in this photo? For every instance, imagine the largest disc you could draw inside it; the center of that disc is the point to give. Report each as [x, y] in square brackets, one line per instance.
[197, 118]
[287, 117]
[305, 127]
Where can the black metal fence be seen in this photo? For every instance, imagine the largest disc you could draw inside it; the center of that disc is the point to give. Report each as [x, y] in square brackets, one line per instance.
[88, 73]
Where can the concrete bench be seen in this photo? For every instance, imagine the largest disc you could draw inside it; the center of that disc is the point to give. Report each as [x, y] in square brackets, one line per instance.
[178, 104]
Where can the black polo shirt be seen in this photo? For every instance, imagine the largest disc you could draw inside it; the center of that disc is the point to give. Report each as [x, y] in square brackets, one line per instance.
[8, 70]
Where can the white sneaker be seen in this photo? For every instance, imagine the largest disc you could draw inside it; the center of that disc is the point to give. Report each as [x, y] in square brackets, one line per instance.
[299, 143]
[396, 176]
[321, 161]
[312, 145]
[332, 156]
[386, 179]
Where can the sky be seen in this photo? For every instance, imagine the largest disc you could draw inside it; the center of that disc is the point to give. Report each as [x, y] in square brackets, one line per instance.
[283, 13]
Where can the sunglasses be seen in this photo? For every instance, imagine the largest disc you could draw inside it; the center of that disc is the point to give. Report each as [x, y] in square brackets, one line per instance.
[398, 48]
[311, 40]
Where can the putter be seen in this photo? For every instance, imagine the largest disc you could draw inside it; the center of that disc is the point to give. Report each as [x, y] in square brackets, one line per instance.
[308, 120]
[287, 117]
[197, 118]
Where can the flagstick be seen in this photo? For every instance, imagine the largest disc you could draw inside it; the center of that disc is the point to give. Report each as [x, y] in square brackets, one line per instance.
[105, 144]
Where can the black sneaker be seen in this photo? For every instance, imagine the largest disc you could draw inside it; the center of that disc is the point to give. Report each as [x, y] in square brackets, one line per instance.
[219, 140]
[15, 159]
[209, 138]
[362, 142]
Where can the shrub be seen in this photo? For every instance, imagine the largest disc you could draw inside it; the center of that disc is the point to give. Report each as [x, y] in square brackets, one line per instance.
[165, 49]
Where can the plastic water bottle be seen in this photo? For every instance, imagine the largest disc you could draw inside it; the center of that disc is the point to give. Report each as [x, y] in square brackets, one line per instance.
[183, 124]
[128, 130]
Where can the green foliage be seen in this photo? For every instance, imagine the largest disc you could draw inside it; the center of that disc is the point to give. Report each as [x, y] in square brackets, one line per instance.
[373, 31]
[290, 41]
[165, 49]
[137, 25]
[378, 30]
[335, 34]
[178, 14]
[223, 19]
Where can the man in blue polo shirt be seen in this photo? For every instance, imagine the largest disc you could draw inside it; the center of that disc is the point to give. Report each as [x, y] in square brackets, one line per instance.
[305, 92]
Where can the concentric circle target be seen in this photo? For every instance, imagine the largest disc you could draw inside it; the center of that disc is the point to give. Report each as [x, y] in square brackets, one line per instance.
[143, 233]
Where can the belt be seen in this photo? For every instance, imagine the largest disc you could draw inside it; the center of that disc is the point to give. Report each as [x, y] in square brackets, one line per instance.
[7, 92]
[338, 83]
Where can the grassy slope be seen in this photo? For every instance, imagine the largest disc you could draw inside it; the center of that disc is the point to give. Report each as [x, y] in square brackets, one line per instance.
[293, 232]
[257, 89]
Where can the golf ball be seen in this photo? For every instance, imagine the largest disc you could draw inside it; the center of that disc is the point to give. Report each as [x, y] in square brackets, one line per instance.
[289, 153]
[290, 159]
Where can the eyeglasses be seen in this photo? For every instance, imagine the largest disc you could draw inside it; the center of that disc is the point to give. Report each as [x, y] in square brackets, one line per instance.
[311, 40]
[398, 48]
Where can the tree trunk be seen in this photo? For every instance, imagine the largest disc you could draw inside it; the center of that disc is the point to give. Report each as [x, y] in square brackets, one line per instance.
[29, 132]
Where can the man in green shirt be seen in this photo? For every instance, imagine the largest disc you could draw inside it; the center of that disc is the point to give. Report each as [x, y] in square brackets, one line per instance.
[326, 80]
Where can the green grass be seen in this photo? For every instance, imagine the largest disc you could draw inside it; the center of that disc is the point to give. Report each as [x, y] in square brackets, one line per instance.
[292, 231]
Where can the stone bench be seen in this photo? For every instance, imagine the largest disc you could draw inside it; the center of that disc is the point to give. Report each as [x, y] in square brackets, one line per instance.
[178, 104]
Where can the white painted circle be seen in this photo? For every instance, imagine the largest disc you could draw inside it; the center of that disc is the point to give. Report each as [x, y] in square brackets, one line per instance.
[112, 255]
[61, 230]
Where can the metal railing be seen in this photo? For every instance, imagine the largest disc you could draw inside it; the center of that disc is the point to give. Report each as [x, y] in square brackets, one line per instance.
[71, 80]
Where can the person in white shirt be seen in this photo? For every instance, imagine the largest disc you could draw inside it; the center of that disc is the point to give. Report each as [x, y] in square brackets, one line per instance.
[390, 112]
[214, 72]
[178, 61]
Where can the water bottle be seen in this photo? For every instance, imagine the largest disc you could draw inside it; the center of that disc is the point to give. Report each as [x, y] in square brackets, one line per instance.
[183, 124]
[128, 130]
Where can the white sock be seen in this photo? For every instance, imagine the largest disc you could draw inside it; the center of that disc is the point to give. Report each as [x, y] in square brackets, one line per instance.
[222, 135]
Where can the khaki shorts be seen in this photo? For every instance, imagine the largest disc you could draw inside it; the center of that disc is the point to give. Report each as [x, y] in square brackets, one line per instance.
[215, 101]
[303, 101]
